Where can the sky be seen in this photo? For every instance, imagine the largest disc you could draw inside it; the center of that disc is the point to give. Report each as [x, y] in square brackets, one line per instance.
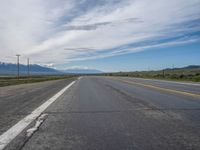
[109, 35]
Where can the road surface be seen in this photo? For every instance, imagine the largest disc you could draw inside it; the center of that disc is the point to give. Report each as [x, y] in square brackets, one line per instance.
[109, 113]
[18, 101]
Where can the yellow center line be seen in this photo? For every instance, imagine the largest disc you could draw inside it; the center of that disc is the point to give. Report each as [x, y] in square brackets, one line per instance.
[160, 88]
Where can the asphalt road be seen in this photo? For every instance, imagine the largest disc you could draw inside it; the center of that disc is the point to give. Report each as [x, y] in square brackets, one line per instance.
[115, 113]
[18, 101]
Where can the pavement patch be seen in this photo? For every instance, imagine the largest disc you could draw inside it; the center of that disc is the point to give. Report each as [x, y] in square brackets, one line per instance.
[38, 123]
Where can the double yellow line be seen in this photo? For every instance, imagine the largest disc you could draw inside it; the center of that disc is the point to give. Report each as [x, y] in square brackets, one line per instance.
[160, 88]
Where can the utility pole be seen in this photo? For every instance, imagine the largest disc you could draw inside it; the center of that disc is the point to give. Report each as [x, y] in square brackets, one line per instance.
[18, 66]
[28, 68]
[163, 73]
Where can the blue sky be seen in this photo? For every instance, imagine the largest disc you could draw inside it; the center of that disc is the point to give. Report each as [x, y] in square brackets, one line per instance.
[109, 35]
[153, 59]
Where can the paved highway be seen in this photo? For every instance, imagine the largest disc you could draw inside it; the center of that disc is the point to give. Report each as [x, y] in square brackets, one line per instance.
[18, 101]
[110, 113]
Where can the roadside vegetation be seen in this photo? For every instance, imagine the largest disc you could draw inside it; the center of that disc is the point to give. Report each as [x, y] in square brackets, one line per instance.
[190, 73]
[5, 81]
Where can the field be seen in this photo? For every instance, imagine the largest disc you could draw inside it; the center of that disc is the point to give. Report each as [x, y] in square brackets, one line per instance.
[5, 81]
[189, 74]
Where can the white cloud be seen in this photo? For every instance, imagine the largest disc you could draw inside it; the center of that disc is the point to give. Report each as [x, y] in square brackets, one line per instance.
[78, 67]
[62, 31]
[51, 65]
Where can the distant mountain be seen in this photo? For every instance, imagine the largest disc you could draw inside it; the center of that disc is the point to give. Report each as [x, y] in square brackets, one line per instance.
[187, 67]
[10, 69]
[192, 67]
[82, 71]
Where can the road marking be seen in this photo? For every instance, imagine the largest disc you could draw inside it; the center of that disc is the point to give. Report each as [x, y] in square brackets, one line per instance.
[162, 89]
[15, 130]
[166, 81]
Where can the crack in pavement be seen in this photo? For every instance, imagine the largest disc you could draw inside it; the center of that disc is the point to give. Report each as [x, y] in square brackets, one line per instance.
[31, 131]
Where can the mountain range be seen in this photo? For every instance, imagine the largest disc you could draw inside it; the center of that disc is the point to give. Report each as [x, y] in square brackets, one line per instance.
[10, 69]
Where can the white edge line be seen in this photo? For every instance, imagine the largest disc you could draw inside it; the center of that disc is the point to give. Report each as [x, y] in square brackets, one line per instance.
[11, 133]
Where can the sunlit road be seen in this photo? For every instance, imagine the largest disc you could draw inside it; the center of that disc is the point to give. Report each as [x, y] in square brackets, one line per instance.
[113, 113]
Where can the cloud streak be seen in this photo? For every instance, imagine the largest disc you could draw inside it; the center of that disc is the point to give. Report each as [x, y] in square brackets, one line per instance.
[80, 30]
[94, 26]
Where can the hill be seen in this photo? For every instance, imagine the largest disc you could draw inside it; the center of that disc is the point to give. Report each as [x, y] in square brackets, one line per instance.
[188, 73]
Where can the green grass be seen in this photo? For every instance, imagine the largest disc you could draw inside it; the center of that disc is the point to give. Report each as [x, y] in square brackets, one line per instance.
[5, 81]
[168, 74]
